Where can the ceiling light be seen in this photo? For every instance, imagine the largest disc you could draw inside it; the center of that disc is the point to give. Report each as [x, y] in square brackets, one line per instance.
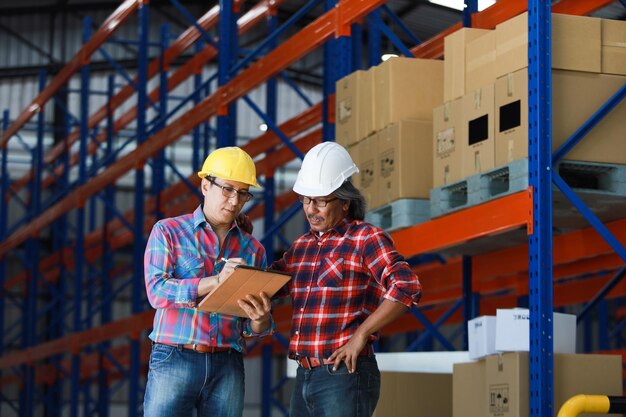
[388, 56]
[460, 4]
[263, 127]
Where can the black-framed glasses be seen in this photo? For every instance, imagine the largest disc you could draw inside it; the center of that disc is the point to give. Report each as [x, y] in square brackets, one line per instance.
[317, 203]
[230, 192]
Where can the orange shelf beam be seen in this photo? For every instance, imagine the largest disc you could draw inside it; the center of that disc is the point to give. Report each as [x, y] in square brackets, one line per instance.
[497, 216]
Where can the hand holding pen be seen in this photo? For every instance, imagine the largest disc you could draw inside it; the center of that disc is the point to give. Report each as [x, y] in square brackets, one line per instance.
[229, 267]
[208, 284]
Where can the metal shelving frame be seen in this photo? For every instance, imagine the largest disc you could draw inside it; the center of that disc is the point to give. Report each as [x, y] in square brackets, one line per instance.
[85, 356]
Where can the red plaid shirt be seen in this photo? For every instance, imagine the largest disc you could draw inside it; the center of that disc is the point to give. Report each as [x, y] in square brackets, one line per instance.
[339, 279]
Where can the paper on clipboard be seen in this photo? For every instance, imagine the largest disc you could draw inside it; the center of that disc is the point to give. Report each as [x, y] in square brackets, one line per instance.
[242, 281]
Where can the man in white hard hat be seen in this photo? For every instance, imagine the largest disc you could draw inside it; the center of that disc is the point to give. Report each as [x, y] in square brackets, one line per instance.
[348, 282]
[196, 363]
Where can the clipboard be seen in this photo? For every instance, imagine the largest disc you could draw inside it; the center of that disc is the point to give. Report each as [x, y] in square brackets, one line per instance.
[244, 280]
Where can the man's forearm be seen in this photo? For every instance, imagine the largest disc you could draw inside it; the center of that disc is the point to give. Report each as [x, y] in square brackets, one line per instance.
[207, 284]
[386, 312]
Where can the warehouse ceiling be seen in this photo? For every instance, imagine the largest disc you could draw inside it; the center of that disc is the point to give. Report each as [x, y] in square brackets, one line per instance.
[423, 18]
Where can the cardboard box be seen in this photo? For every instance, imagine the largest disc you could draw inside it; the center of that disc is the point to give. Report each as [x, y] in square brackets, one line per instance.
[447, 142]
[406, 88]
[405, 159]
[613, 47]
[481, 335]
[415, 395]
[511, 111]
[576, 44]
[511, 45]
[575, 97]
[454, 61]
[354, 107]
[365, 156]
[469, 389]
[478, 131]
[513, 334]
[507, 382]
[480, 62]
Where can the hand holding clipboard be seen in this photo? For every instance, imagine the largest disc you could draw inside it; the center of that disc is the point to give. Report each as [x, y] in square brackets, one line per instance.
[242, 281]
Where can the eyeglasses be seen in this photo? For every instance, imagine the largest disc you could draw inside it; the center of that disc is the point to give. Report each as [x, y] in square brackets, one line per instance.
[231, 192]
[317, 203]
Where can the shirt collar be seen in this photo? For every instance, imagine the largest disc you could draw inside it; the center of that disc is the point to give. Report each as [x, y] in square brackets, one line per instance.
[340, 228]
[199, 220]
[198, 217]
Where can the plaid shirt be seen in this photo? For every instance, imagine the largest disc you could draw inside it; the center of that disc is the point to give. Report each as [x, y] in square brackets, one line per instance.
[339, 279]
[180, 251]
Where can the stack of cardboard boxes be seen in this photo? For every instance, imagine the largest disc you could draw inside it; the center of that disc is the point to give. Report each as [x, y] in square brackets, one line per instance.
[587, 71]
[384, 118]
[497, 384]
[483, 122]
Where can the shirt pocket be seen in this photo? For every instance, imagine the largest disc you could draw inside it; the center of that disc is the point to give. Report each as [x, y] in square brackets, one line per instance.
[331, 272]
[189, 266]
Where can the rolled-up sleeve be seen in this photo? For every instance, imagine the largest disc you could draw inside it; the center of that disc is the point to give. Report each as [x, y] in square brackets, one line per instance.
[165, 291]
[391, 271]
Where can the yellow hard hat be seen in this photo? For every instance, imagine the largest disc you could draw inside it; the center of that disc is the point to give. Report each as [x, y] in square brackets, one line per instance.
[231, 163]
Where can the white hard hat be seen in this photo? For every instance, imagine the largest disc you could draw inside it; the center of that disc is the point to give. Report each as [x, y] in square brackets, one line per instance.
[324, 168]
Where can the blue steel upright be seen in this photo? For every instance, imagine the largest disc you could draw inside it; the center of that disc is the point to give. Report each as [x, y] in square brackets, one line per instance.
[374, 38]
[106, 310]
[471, 7]
[4, 218]
[138, 288]
[158, 162]
[540, 177]
[75, 385]
[269, 194]
[227, 58]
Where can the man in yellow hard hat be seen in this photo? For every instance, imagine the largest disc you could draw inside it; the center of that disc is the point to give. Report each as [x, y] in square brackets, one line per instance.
[348, 281]
[196, 361]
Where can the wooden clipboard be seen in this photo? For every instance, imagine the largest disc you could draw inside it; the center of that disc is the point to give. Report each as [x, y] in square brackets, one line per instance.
[242, 281]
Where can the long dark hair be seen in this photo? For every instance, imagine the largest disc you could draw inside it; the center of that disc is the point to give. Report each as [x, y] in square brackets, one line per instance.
[358, 205]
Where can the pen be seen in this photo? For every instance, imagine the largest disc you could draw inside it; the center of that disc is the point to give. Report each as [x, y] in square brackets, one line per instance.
[218, 275]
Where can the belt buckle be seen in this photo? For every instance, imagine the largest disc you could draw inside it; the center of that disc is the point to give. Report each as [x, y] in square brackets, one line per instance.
[195, 348]
[304, 362]
[308, 362]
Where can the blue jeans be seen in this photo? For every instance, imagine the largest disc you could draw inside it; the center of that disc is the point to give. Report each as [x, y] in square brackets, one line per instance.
[181, 381]
[320, 392]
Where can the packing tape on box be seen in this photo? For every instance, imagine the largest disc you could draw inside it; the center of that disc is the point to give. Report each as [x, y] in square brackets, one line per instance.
[509, 84]
[478, 98]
